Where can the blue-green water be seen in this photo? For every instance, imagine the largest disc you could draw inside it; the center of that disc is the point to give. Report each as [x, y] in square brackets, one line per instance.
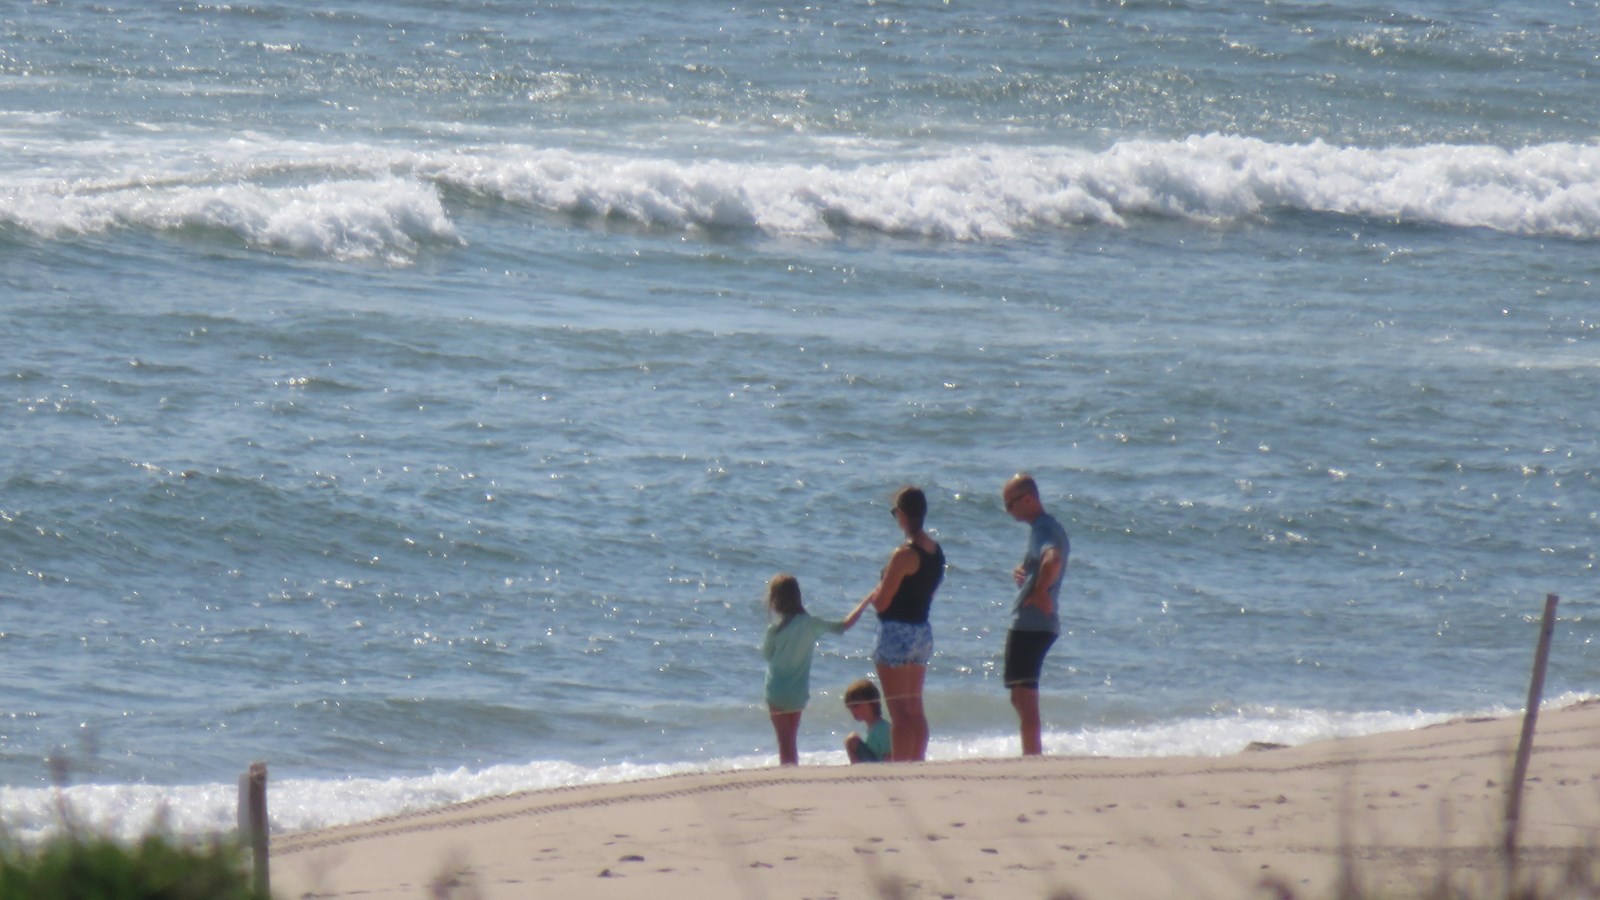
[419, 399]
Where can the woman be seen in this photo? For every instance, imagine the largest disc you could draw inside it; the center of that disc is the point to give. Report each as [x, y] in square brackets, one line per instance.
[905, 639]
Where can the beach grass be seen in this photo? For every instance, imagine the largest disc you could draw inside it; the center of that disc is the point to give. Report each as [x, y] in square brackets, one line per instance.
[78, 862]
[78, 865]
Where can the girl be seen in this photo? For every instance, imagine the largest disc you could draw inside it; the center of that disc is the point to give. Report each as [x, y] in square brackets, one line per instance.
[790, 638]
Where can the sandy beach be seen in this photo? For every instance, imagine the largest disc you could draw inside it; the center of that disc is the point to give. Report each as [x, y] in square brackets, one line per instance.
[1403, 808]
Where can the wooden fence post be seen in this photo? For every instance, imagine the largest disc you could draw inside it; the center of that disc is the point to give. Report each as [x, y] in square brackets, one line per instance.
[1530, 718]
[253, 822]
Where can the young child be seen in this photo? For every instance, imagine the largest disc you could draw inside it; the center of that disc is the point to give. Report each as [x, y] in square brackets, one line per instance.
[866, 705]
[790, 639]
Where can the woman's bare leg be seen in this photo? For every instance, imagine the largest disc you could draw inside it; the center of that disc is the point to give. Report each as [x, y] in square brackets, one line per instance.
[908, 724]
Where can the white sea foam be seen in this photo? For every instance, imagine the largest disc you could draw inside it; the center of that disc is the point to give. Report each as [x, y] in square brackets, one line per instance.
[995, 193]
[349, 219]
[366, 202]
[127, 810]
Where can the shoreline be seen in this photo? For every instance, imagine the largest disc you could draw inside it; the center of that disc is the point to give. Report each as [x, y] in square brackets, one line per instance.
[1406, 807]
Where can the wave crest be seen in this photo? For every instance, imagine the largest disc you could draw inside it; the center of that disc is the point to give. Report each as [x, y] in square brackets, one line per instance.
[995, 194]
[386, 218]
[363, 202]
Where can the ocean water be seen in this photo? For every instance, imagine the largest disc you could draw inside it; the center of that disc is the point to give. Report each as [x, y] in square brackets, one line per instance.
[417, 397]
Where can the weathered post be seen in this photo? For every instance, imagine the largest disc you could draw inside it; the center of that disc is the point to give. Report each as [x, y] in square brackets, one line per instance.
[1530, 718]
[253, 822]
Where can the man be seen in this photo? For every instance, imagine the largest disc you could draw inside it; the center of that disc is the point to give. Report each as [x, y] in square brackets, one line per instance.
[1036, 621]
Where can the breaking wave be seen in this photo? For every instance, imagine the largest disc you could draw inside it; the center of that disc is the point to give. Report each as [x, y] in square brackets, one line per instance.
[361, 202]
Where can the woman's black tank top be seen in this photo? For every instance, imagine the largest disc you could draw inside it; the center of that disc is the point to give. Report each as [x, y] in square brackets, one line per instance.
[915, 594]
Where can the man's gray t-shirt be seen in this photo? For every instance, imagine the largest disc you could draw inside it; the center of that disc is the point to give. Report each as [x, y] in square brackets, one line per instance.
[1047, 532]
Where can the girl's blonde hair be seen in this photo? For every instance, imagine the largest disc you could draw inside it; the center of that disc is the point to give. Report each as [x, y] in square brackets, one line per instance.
[783, 597]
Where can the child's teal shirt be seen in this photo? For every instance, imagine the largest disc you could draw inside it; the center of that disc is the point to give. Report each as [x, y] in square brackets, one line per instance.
[879, 739]
[787, 649]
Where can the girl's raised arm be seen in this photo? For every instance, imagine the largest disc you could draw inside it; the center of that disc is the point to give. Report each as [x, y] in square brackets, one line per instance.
[855, 614]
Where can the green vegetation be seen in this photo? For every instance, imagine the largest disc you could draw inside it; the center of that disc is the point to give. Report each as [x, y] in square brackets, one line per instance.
[74, 866]
[78, 864]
